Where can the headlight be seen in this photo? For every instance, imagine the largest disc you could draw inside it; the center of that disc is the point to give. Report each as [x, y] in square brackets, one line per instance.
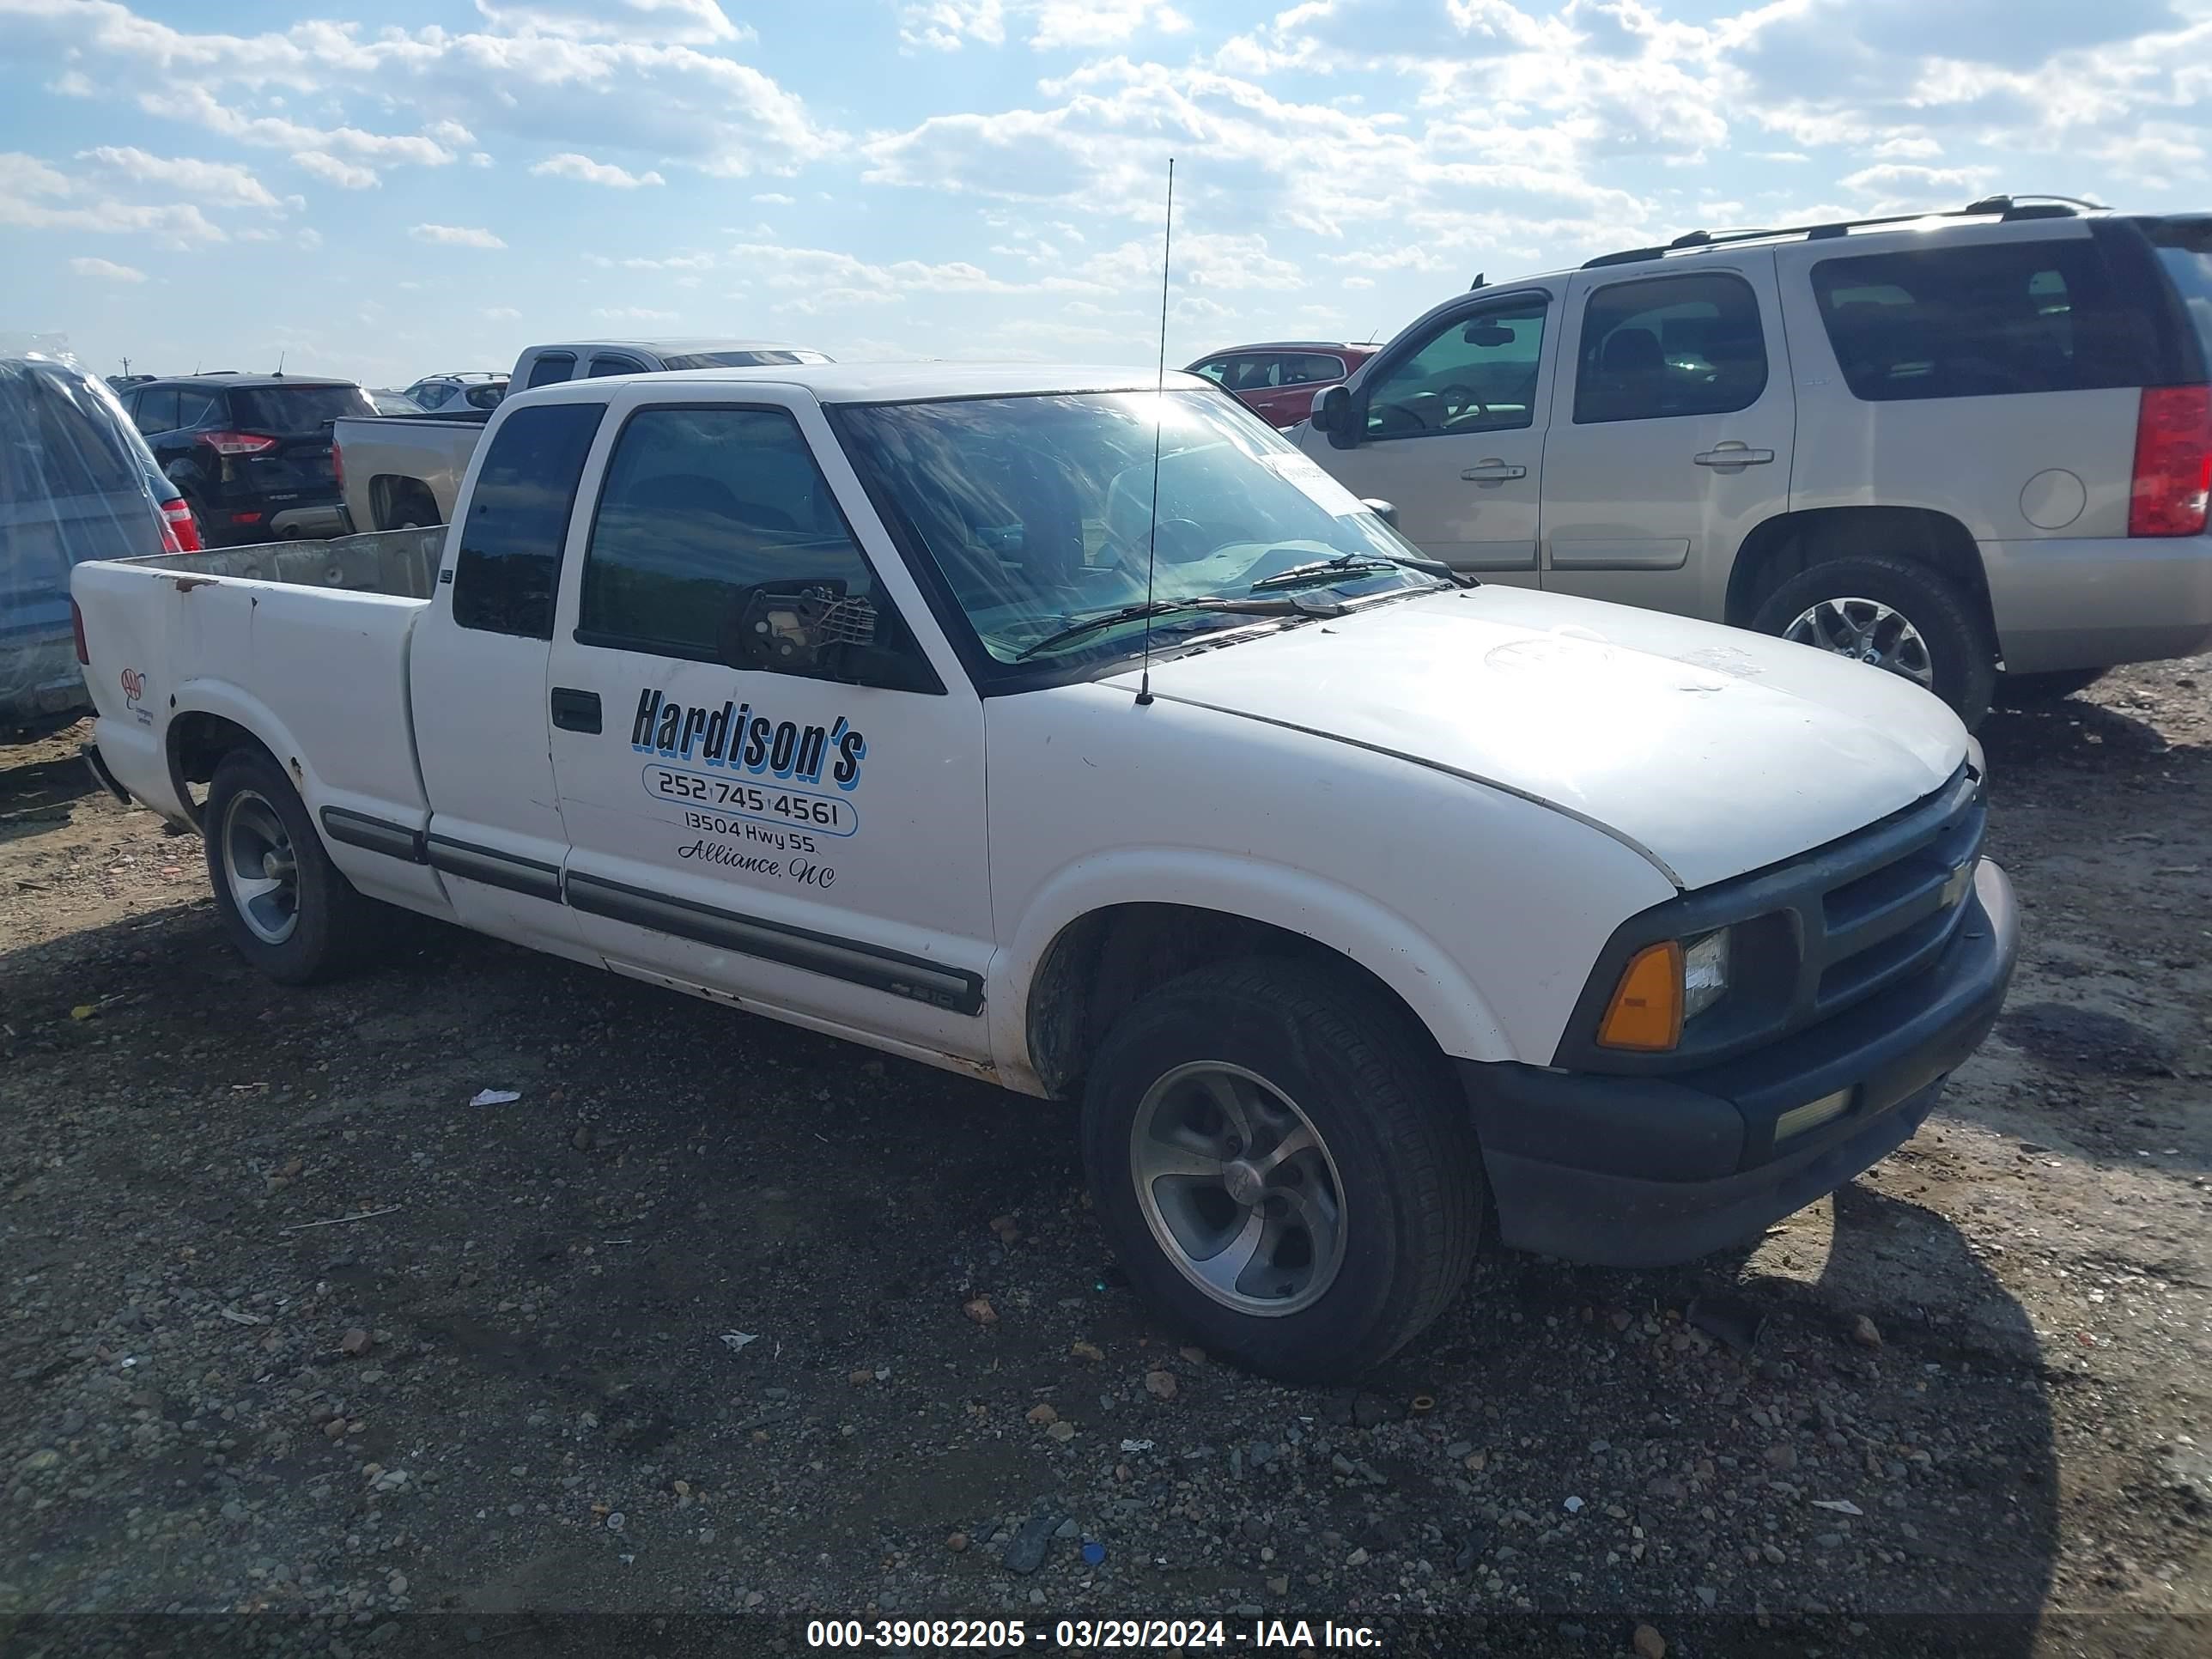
[1663, 986]
[1704, 973]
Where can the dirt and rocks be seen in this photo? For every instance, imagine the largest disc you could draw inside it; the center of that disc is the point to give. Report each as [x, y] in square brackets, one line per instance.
[721, 1315]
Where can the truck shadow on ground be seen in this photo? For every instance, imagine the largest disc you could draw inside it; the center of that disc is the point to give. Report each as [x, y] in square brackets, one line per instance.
[35, 794]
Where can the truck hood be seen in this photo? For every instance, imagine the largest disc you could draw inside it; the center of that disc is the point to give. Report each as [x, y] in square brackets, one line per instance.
[1710, 751]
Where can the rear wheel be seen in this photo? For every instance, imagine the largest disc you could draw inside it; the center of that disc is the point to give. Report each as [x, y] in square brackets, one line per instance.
[1892, 614]
[285, 906]
[2033, 690]
[1279, 1170]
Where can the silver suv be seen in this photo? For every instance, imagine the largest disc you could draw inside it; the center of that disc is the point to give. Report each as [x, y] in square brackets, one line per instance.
[1974, 448]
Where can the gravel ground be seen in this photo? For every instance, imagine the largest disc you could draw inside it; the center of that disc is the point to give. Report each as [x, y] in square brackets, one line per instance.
[723, 1315]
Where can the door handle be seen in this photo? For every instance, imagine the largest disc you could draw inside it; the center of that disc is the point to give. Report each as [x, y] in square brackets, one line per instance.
[1493, 472]
[575, 711]
[1734, 454]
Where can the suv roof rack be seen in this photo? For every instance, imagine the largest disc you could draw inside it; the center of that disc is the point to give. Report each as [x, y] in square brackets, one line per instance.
[2008, 208]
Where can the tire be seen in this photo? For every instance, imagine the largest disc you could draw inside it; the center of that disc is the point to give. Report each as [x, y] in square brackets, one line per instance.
[1958, 661]
[324, 927]
[1394, 1149]
[2034, 691]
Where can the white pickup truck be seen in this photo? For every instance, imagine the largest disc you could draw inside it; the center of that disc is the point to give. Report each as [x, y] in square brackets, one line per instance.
[1377, 900]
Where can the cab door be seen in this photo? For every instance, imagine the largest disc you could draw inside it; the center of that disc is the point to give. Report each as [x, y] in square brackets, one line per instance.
[1447, 424]
[1675, 435]
[771, 792]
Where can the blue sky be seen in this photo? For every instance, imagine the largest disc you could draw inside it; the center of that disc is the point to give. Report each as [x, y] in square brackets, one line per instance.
[387, 190]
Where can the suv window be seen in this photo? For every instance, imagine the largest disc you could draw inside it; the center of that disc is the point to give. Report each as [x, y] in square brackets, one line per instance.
[509, 565]
[552, 367]
[1309, 368]
[195, 408]
[1668, 346]
[1981, 320]
[2185, 248]
[1215, 369]
[717, 540]
[431, 393]
[1476, 373]
[155, 410]
[603, 367]
[295, 408]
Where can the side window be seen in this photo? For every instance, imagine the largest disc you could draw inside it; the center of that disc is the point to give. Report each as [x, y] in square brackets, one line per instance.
[1980, 321]
[156, 411]
[1254, 372]
[433, 394]
[1476, 373]
[1669, 345]
[1310, 368]
[552, 366]
[603, 367]
[509, 565]
[194, 408]
[717, 540]
[1215, 369]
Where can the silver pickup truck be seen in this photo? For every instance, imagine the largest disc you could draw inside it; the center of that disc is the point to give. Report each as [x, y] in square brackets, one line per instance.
[403, 472]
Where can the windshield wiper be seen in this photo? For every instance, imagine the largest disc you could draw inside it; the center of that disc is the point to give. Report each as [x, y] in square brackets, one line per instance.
[1319, 571]
[1292, 607]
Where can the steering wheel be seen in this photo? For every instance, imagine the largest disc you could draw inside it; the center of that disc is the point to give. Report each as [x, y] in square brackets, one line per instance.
[1458, 399]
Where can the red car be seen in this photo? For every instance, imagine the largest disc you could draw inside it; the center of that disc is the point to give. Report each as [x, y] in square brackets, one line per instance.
[1277, 381]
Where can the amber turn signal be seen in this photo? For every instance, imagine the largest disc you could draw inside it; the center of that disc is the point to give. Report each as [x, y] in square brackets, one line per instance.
[1646, 1010]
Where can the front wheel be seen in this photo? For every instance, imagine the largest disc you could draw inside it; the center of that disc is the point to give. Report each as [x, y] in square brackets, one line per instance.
[1278, 1170]
[286, 907]
[1897, 615]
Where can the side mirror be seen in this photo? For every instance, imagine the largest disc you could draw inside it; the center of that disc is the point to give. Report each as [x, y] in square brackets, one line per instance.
[1386, 511]
[1332, 410]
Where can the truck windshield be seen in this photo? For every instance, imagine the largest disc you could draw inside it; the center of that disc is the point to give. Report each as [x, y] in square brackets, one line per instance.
[1037, 512]
[295, 408]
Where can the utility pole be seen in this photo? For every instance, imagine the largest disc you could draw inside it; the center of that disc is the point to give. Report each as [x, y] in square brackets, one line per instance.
[126, 368]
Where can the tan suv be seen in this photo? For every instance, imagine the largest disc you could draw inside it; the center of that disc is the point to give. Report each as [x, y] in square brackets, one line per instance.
[1972, 448]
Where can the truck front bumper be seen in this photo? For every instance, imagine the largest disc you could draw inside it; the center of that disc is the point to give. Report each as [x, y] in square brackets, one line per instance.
[1645, 1172]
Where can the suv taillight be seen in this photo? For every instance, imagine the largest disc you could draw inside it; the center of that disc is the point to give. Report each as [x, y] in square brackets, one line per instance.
[179, 533]
[236, 443]
[76, 628]
[2173, 462]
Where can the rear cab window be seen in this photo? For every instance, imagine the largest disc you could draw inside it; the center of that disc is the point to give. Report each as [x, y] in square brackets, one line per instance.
[508, 568]
[1982, 320]
[551, 368]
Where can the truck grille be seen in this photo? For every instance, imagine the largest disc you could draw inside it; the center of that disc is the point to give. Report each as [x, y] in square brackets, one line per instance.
[1900, 899]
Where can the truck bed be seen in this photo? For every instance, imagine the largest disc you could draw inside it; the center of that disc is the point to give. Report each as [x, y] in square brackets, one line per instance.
[305, 643]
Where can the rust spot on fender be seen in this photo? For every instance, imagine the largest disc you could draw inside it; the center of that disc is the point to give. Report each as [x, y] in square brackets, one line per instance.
[298, 776]
[186, 584]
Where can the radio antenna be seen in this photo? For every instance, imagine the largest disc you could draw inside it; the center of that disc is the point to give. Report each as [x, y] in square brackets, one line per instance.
[1159, 398]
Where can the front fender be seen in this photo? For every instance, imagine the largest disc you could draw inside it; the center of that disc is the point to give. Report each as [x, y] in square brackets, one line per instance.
[1389, 946]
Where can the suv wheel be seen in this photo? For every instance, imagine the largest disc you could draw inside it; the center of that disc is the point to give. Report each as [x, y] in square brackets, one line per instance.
[284, 904]
[1892, 614]
[1278, 1171]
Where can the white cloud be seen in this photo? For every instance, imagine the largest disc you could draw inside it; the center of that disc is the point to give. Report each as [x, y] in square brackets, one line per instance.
[687, 23]
[455, 235]
[633, 315]
[309, 239]
[106, 271]
[72, 83]
[583, 168]
[37, 196]
[1052, 25]
[502, 313]
[774, 198]
[211, 181]
[948, 25]
[1895, 185]
[331, 170]
[1083, 23]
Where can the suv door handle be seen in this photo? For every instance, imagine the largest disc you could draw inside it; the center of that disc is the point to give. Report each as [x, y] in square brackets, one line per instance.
[575, 711]
[1493, 472]
[1734, 454]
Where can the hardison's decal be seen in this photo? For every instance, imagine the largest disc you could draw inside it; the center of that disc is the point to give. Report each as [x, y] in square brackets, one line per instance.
[736, 737]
